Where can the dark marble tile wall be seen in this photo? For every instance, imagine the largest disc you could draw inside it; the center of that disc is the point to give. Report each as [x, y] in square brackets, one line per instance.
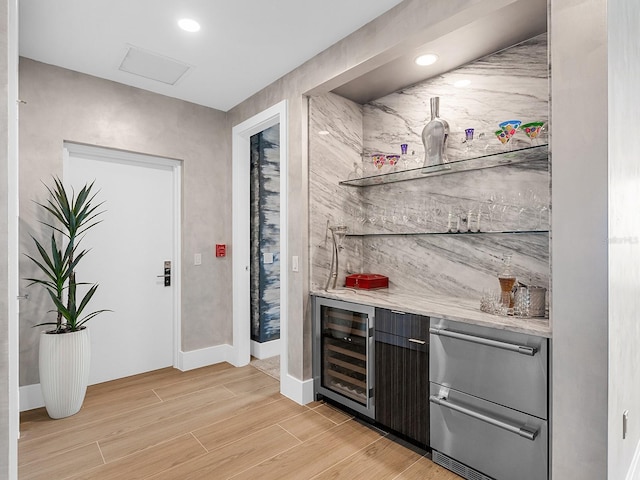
[265, 235]
[512, 84]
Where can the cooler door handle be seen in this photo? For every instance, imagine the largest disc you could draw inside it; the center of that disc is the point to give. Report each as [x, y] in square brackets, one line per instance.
[512, 347]
[522, 431]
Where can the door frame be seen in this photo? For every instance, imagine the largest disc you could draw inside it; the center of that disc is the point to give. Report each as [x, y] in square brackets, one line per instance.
[141, 159]
[241, 228]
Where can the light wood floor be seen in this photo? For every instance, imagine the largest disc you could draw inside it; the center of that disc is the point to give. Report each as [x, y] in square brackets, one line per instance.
[216, 422]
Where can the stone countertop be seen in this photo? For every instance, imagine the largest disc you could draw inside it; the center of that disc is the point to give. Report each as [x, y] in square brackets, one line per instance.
[456, 309]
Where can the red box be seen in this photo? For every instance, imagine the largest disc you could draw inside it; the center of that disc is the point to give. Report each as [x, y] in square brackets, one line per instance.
[221, 250]
[367, 281]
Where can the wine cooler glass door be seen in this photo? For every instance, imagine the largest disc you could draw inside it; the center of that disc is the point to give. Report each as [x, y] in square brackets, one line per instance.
[346, 342]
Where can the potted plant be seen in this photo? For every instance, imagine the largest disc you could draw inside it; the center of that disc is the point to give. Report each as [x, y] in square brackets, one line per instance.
[65, 349]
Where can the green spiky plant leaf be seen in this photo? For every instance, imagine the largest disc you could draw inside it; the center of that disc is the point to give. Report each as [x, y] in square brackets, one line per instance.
[72, 216]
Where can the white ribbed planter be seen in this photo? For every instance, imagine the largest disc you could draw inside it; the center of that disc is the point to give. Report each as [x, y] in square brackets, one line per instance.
[64, 371]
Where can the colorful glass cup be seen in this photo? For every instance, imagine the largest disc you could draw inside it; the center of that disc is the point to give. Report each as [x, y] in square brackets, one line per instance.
[510, 126]
[503, 136]
[378, 160]
[468, 134]
[393, 160]
[532, 130]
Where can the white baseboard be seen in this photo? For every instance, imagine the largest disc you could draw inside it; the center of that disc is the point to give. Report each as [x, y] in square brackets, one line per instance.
[266, 349]
[300, 391]
[31, 397]
[634, 469]
[204, 357]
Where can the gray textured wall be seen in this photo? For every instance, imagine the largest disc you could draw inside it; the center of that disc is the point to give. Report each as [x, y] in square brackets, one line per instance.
[65, 105]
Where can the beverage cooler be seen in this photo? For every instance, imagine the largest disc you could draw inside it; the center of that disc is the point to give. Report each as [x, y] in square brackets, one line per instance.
[343, 354]
[489, 403]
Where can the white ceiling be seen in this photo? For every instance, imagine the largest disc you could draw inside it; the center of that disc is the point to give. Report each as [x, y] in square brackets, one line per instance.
[243, 46]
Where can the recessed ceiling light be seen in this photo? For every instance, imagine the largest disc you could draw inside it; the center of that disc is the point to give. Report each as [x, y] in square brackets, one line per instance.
[462, 83]
[427, 59]
[189, 25]
[323, 132]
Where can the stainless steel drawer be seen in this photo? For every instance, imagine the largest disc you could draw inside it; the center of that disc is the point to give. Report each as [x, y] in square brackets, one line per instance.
[503, 367]
[497, 441]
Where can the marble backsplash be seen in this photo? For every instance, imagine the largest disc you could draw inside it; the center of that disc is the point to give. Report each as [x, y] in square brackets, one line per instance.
[511, 84]
[331, 157]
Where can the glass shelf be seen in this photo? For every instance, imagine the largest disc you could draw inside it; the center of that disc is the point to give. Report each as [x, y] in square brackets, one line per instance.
[529, 154]
[415, 234]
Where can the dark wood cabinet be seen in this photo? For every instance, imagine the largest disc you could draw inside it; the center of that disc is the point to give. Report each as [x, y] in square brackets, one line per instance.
[402, 373]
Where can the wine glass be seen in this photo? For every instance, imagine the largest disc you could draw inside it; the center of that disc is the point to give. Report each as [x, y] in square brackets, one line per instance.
[372, 214]
[532, 131]
[503, 136]
[404, 157]
[361, 216]
[468, 140]
[393, 160]
[492, 206]
[507, 130]
[378, 160]
[356, 173]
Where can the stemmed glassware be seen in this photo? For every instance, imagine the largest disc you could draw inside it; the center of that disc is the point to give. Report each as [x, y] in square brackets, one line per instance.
[378, 160]
[468, 140]
[392, 161]
[356, 172]
[404, 157]
[361, 216]
[532, 131]
[541, 206]
[520, 205]
[372, 214]
[507, 130]
[492, 206]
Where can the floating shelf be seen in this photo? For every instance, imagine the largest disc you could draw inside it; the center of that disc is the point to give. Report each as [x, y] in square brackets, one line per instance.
[524, 155]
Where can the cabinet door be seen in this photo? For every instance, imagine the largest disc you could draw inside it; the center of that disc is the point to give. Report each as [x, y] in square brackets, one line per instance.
[402, 375]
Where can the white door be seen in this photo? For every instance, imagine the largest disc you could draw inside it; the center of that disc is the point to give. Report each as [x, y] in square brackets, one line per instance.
[128, 251]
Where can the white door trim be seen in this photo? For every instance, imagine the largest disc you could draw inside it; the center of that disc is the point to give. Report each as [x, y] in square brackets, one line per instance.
[241, 236]
[113, 155]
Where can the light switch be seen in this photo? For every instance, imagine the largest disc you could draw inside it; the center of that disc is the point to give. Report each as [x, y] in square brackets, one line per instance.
[294, 264]
[267, 257]
[197, 259]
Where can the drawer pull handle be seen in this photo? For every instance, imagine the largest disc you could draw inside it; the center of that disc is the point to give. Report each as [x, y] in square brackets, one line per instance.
[415, 340]
[523, 349]
[523, 431]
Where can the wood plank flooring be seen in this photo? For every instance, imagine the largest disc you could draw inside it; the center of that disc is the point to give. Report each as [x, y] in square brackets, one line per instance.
[216, 422]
